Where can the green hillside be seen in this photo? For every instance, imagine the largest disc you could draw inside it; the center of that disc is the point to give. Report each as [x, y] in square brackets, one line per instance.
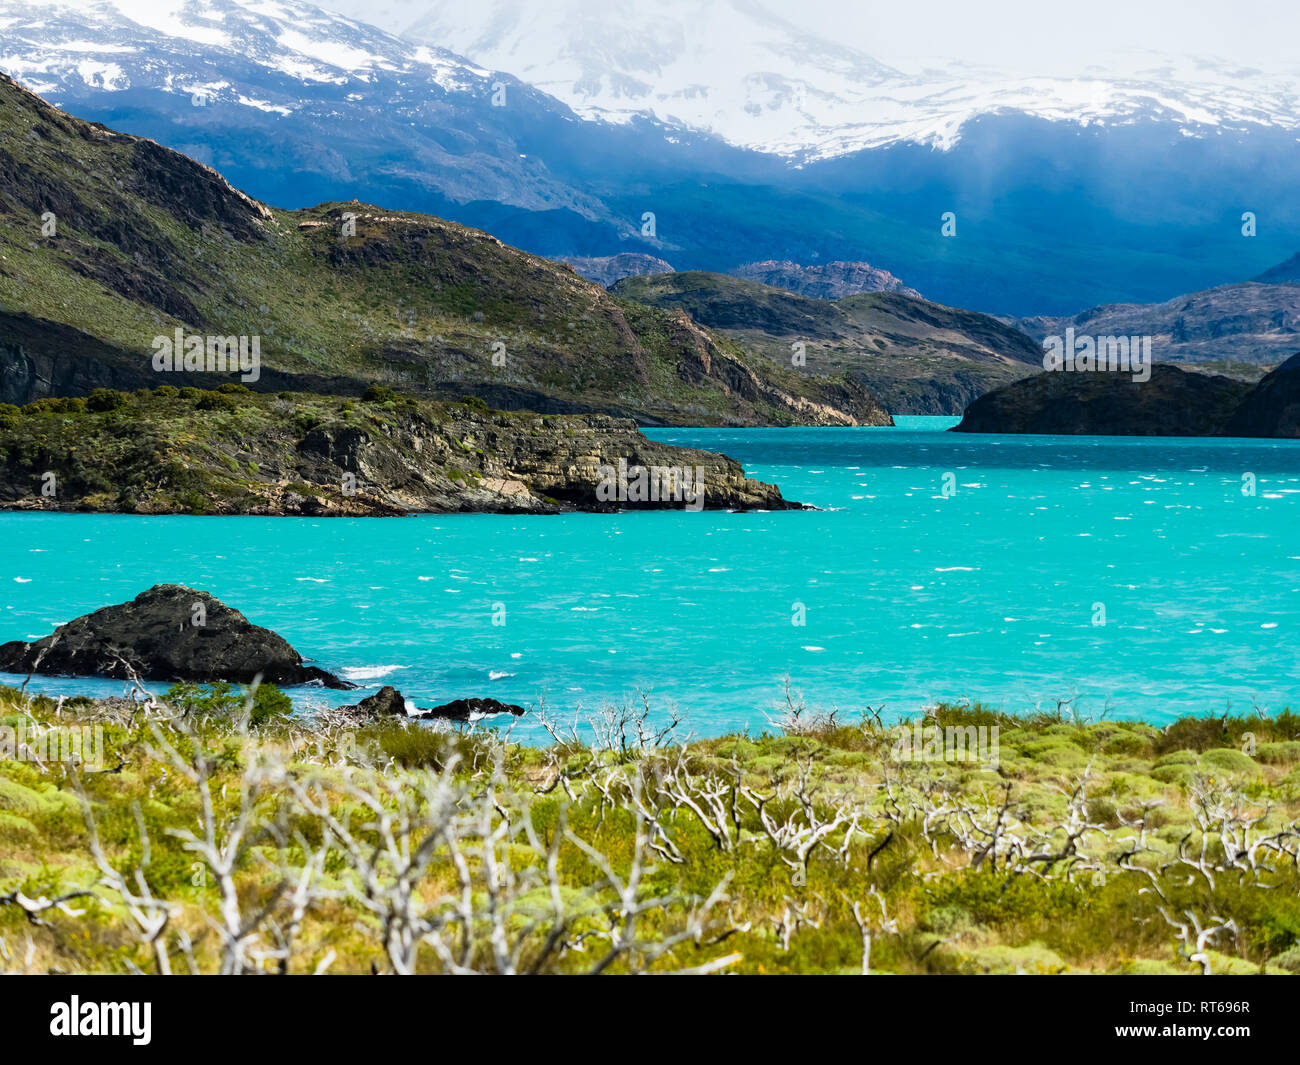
[108, 241]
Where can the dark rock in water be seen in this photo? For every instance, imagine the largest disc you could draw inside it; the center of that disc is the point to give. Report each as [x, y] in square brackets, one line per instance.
[386, 702]
[169, 632]
[469, 709]
[1273, 407]
[1103, 403]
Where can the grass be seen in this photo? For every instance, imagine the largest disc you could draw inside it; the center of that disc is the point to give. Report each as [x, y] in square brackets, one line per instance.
[787, 852]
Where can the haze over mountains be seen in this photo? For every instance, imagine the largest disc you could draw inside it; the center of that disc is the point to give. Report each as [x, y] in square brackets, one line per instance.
[1066, 195]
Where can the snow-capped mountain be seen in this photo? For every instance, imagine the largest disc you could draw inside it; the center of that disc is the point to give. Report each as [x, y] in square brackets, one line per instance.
[1065, 193]
[734, 68]
[312, 91]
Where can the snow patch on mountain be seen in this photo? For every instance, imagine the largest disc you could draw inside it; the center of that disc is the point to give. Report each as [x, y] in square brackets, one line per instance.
[734, 68]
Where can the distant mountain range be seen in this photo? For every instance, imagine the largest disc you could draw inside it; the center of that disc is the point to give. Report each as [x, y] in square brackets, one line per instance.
[1060, 195]
[607, 269]
[918, 357]
[1241, 329]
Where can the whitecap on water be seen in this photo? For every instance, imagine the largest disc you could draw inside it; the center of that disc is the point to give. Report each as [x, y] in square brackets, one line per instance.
[369, 672]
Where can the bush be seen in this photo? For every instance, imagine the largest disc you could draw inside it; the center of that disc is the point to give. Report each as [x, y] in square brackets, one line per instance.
[1227, 760]
[233, 388]
[216, 401]
[102, 399]
[225, 701]
[56, 405]
[476, 403]
[379, 394]
[167, 391]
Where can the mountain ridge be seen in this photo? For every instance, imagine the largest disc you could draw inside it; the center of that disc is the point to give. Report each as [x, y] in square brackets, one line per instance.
[144, 241]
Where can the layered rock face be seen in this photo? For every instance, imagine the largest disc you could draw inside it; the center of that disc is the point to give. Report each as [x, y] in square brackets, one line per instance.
[170, 632]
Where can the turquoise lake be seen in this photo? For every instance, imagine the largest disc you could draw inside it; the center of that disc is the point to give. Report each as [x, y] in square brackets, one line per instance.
[909, 593]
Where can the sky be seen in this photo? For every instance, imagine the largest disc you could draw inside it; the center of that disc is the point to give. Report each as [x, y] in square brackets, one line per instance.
[1019, 36]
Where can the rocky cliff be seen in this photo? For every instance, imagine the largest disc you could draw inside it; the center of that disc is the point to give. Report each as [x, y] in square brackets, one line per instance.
[237, 452]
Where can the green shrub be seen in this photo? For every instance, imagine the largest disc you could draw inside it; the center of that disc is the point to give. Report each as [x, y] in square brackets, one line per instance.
[216, 401]
[379, 394]
[56, 405]
[1227, 760]
[223, 700]
[1282, 753]
[103, 399]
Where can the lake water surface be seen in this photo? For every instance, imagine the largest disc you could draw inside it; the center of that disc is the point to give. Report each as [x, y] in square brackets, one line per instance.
[940, 566]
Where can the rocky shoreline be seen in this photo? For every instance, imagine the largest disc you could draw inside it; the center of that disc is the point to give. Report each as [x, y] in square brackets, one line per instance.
[169, 632]
[187, 451]
[175, 633]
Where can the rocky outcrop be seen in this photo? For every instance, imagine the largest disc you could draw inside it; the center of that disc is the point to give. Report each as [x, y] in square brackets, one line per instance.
[170, 632]
[1172, 403]
[1273, 406]
[607, 269]
[389, 702]
[220, 453]
[826, 281]
[470, 710]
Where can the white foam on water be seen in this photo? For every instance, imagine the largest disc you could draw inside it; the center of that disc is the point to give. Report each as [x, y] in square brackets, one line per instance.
[370, 672]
